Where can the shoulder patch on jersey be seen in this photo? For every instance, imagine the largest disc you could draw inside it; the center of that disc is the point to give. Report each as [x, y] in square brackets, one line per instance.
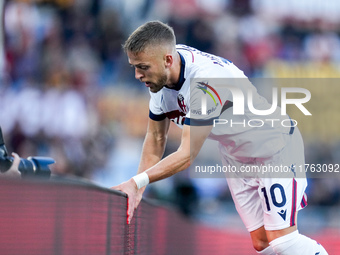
[204, 87]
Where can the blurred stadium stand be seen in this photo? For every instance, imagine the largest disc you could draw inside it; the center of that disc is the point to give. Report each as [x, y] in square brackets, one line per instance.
[68, 91]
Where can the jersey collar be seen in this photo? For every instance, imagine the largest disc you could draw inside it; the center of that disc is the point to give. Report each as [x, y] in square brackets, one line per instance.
[181, 75]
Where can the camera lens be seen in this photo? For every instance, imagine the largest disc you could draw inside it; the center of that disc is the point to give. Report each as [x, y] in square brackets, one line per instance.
[37, 166]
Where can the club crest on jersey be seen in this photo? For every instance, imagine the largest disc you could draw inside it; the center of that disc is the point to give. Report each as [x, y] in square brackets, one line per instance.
[180, 101]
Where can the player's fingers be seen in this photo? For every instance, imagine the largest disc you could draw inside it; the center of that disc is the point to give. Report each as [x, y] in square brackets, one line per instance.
[116, 187]
[137, 201]
[119, 188]
[130, 209]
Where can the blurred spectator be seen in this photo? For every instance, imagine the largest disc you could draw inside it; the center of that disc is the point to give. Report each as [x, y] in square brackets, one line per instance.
[322, 46]
[66, 91]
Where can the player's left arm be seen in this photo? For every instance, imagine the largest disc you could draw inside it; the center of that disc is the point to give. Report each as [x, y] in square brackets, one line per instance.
[192, 140]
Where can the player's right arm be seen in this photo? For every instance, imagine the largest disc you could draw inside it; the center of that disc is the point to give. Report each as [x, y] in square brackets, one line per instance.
[154, 143]
[153, 146]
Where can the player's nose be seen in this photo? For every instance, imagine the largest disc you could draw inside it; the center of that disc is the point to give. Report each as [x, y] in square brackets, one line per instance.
[138, 74]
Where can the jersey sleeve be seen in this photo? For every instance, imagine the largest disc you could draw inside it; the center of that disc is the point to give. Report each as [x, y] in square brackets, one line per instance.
[207, 101]
[155, 110]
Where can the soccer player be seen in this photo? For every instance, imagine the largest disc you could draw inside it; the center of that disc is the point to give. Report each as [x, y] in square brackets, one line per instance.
[177, 77]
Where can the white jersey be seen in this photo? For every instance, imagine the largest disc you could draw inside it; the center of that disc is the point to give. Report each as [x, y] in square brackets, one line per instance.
[209, 92]
[241, 136]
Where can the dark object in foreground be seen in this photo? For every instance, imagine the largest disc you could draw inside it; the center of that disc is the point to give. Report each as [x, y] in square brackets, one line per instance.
[32, 166]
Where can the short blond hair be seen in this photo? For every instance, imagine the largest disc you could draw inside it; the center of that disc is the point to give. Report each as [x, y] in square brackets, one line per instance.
[151, 33]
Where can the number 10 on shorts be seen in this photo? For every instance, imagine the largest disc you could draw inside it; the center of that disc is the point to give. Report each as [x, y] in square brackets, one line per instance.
[277, 195]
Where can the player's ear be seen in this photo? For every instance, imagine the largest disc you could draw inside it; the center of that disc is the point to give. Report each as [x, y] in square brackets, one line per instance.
[168, 60]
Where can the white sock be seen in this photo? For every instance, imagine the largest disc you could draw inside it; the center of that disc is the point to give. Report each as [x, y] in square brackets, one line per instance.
[297, 244]
[268, 251]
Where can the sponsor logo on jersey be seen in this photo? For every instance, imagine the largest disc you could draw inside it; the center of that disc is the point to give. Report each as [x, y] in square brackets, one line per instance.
[198, 112]
[176, 116]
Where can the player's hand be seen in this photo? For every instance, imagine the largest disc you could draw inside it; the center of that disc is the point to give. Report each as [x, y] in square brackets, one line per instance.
[130, 188]
[140, 194]
[13, 172]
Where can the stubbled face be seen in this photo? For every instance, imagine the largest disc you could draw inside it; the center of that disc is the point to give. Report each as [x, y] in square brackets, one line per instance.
[151, 67]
